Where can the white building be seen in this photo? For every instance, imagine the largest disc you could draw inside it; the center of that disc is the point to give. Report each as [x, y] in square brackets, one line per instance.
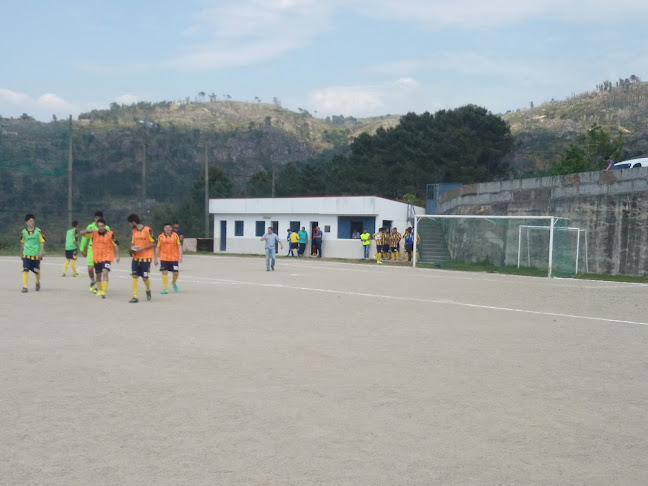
[240, 223]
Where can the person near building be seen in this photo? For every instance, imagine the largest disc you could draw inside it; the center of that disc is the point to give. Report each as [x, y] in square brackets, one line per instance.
[379, 238]
[317, 241]
[271, 239]
[394, 245]
[303, 239]
[365, 237]
[294, 243]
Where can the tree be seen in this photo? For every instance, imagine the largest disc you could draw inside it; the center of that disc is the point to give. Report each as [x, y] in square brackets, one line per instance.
[277, 102]
[192, 207]
[201, 96]
[589, 152]
[259, 184]
[257, 99]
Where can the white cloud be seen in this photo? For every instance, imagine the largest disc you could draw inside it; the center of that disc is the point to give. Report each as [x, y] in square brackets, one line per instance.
[239, 33]
[14, 103]
[126, 99]
[477, 14]
[391, 97]
[406, 83]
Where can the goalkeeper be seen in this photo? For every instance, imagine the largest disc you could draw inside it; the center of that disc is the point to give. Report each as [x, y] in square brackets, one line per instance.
[87, 243]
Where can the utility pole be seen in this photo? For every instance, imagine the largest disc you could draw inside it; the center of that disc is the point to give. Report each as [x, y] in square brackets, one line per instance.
[206, 194]
[69, 201]
[143, 202]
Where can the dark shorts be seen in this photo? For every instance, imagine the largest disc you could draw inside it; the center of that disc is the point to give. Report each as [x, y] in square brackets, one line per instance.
[70, 254]
[100, 266]
[168, 266]
[409, 247]
[31, 265]
[394, 248]
[385, 248]
[140, 269]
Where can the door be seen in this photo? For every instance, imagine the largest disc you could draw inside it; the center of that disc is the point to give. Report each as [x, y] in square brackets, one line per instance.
[313, 225]
[223, 236]
[275, 230]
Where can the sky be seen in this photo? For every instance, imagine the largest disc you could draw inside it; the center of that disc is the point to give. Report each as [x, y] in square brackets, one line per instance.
[331, 57]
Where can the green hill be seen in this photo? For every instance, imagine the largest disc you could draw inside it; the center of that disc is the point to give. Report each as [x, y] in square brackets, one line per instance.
[543, 132]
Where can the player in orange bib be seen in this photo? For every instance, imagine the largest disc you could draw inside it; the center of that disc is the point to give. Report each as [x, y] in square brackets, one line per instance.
[143, 252]
[105, 250]
[169, 252]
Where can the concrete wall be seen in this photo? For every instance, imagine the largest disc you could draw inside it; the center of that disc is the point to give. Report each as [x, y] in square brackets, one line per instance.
[612, 206]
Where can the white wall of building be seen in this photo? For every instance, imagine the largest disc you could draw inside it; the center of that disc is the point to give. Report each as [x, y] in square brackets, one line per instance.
[323, 210]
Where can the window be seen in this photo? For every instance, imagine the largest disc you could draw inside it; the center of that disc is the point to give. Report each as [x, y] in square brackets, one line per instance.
[294, 226]
[238, 228]
[348, 225]
[260, 228]
[327, 229]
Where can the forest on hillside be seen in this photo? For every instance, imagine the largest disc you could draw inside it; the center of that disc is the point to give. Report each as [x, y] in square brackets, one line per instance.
[158, 169]
[150, 157]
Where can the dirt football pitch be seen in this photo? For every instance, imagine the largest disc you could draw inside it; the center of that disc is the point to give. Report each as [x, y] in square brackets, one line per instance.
[322, 373]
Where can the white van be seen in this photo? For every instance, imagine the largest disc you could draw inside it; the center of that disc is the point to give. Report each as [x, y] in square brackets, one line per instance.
[627, 164]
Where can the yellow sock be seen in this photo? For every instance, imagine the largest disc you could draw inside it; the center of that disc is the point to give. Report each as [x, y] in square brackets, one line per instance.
[38, 277]
[65, 265]
[105, 285]
[74, 267]
[175, 278]
[25, 279]
[165, 281]
[134, 287]
[378, 257]
[147, 282]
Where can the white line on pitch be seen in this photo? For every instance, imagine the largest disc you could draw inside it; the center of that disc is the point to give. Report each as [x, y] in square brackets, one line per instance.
[427, 301]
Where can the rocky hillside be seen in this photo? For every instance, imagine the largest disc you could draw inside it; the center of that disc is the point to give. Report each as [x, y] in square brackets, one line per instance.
[544, 131]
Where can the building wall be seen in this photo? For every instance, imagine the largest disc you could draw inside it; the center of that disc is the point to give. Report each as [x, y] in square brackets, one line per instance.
[325, 211]
[612, 206]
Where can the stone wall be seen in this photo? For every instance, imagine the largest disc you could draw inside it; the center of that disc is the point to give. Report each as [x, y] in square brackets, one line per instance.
[612, 206]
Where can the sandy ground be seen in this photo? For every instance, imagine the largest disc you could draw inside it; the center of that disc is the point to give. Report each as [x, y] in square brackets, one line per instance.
[322, 373]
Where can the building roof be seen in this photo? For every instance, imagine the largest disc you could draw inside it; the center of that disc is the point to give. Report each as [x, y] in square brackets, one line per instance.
[339, 205]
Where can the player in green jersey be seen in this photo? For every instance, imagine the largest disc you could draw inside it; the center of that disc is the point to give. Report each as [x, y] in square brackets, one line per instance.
[31, 250]
[71, 248]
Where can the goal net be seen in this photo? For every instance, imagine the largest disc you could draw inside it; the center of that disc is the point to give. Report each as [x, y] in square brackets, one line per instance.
[545, 243]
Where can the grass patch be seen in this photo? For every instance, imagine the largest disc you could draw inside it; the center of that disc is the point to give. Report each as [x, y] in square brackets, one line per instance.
[485, 267]
[611, 278]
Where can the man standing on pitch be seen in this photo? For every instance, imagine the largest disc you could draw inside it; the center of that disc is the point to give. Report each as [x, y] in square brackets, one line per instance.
[169, 252]
[143, 252]
[271, 239]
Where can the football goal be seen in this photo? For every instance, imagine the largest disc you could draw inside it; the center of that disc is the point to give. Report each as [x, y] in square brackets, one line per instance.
[545, 243]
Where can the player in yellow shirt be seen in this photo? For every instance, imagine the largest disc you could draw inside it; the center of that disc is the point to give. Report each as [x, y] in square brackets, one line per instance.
[394, 244]
[379, 238]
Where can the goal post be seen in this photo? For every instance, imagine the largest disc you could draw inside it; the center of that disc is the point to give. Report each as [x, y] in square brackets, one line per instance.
[545, 243]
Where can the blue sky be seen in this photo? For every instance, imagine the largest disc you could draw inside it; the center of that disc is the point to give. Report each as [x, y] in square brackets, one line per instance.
[352, 57]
